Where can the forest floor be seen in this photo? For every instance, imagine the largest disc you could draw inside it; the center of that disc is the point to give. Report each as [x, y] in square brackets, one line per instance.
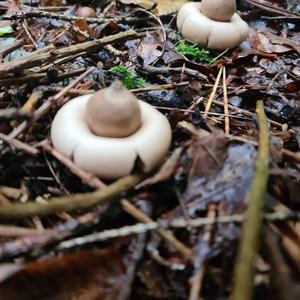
[218, 219]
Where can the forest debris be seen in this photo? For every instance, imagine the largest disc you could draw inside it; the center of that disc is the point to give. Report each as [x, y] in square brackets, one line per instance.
[166, 171]
[283, 41]
[14, 143]
[83, 275]
[213, 93]
[34, 244]
[166, 234]
[283, 282]
[160, 6]
[261, 41]
[70, 203]
[179, 222]
[272, 9]
[50, 53]
[86, 177]
[12, 113]
[244, 272]
[226, 111]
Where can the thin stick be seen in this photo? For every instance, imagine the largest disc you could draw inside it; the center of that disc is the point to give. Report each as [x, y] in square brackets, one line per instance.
[246, 113]
[200, 261]
[177, 223]
[244, 272]
[168, 86]
[45, 107]
[212, 95]
[50, 53]
[18, 144]
[69, 203]
[138, 214]
[86, 177]
[226, 111]
[25, 27]
[16, 231]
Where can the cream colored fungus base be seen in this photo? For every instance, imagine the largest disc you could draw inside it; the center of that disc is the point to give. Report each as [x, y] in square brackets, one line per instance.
[199, 29]
[110, 158]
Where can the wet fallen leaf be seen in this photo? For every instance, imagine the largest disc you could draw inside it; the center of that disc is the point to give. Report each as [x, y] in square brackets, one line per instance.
[149, 50]
[82, 30]
[89, 275]
[260, 41]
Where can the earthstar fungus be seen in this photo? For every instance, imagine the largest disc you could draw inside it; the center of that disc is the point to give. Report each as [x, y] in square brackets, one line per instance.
[107, 132]
[212, 24]
[86, 12]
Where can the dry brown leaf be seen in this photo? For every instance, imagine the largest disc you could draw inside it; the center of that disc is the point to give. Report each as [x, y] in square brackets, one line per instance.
[261, 41]
[163, 6]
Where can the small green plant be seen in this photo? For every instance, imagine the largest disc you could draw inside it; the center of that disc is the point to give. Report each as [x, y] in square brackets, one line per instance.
[193, 52]
[130, 80]
[6, 30]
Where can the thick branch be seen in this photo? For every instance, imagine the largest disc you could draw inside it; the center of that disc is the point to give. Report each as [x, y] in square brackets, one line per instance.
[244, 273]
[40, 56]
[69, 203]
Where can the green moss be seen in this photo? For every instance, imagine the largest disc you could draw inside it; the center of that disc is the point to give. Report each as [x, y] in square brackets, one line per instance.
[193, 52]
[130, 80]
[6, 30]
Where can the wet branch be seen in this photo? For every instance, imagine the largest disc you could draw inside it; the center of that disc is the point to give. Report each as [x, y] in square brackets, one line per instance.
[50, 53]
[249, 245]
[71, 202]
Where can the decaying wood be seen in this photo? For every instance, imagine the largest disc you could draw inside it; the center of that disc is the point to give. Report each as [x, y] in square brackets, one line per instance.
[51, 53]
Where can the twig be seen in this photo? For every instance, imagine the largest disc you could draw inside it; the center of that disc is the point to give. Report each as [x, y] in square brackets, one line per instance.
[6, 50]
[168, 70]
[43, 55]
[167, 235]
[244, 272]
[273, 9]
[86, 177]
[246, 113]
[199, 262]
[25, 27]
[176, 223]
[291, 156]
[168, 86]
[226, 111]
[139, 245]
[45, 107]
[63, 17]
[35, 243]
[12, 113]
[11, 80]
[16, 231]
[70, 203]
[18, 144]
[212, 95]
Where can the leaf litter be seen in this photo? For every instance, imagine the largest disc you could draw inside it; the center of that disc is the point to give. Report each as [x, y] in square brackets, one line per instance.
[207, 174]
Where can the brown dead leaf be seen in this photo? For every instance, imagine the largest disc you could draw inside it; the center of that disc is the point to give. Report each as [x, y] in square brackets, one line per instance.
[219, 173]
[89, 275]
[260, 41]
[148, 49]
[279, 40]
[83, 30]
[163, 6]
